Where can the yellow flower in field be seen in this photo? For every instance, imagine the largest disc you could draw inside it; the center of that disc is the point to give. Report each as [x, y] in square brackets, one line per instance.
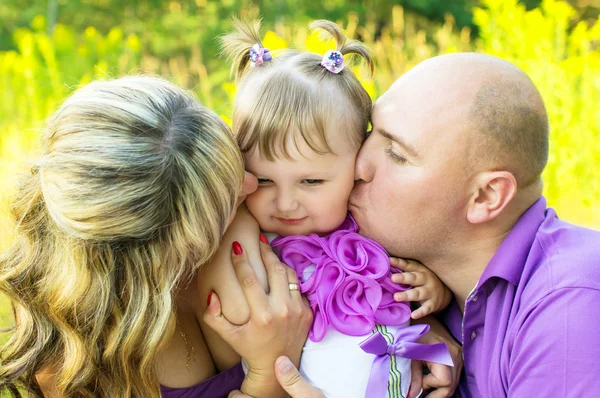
[115, 35]
[83, 51]
[38, 23]
[316, 44]
[133, 42]
[229, 88]
[101, 69]
[273, 42]
[368, 84]
[595, 31]
[63, 38]
[90, 33]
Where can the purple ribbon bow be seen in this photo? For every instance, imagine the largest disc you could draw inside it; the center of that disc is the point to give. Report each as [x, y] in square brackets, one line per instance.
[404, 346]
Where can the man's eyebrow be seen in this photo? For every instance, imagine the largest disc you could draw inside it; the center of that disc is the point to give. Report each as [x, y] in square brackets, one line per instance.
[411, 151]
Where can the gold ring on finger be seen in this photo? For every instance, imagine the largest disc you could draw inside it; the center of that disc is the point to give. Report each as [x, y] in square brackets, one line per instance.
[294, 286]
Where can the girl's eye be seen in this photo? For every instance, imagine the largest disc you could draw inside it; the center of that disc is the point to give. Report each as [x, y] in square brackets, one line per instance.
[264, 181]
[312, 182]
[394, 156]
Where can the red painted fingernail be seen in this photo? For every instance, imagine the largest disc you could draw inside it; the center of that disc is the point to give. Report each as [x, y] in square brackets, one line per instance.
[237, 248]
[209, 297]
[264, 239]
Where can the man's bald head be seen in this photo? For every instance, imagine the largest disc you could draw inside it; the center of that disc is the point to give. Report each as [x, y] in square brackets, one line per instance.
[505, 116]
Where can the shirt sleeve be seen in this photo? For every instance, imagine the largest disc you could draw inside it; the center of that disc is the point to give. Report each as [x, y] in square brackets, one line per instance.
[556, 351]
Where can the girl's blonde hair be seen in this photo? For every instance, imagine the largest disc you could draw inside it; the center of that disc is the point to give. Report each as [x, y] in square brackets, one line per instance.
[132, 194]
[293, 95]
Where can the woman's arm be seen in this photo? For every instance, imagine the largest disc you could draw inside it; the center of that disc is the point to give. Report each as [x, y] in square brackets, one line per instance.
[278, 325]
[219, 276]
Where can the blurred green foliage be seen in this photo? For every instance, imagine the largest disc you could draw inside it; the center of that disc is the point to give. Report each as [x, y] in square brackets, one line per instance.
[46, 53]
[183, 23]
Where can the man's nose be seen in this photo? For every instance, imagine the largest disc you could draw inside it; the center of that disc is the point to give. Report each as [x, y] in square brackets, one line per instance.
[364, 170]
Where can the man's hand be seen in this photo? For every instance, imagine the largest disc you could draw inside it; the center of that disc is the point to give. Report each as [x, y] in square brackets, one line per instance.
[444, 379]
[291, 381]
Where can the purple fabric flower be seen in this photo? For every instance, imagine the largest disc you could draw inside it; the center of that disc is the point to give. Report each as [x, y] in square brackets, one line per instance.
[358, 254]
[352, 304]
[258, 55]
[346, 278]
[326, 278]
[333, 61]
[389, 312]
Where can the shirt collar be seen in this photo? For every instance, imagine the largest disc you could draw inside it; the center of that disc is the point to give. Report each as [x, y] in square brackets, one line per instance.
[510, 258]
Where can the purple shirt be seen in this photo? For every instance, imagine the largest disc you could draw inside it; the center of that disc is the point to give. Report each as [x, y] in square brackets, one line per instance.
[218, 386]
[531, 327]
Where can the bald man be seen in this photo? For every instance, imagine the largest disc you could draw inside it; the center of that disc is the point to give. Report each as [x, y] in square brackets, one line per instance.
[451, 176]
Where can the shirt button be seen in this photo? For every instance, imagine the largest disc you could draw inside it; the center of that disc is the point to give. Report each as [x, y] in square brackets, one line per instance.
[473, 335]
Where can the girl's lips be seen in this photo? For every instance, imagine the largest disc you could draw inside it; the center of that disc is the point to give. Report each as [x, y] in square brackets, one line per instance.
[290, 221]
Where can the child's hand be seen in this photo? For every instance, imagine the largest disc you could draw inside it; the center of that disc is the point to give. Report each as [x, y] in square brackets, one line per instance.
[427, 289]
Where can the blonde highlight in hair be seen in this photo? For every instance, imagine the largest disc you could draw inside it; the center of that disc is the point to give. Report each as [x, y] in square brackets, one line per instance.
[132, 194]
[293, 97]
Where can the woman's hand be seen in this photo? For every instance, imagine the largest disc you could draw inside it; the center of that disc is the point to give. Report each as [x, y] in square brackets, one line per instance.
[427, 288]
[444, 379]
[278, 325]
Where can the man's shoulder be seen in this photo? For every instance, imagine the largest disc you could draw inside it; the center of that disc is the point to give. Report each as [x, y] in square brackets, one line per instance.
[564, 256]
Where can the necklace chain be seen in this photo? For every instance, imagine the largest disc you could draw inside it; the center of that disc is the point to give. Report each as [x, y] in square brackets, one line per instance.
[189, 347]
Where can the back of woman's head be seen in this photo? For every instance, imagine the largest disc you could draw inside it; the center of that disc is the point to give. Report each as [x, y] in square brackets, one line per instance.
[293, 95]
[132, 193]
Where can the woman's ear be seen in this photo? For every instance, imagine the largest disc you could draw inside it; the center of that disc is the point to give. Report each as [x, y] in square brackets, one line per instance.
[492, 193]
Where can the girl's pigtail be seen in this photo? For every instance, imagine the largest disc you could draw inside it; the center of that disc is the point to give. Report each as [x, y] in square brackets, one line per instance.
[343, 45]
[243, 44]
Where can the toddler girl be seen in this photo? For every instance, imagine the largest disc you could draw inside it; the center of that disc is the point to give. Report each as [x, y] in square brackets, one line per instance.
[300, 119]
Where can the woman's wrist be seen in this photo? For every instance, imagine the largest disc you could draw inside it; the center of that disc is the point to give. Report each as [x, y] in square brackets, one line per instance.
[262, 385]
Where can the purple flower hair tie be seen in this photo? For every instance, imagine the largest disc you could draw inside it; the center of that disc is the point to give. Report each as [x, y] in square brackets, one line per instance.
[333, 61]
[259, 55]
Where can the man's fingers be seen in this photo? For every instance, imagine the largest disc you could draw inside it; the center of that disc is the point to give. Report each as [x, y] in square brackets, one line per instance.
[440, 377]
[292, 382]
[416, 378]
[440, 393]
[253, 290]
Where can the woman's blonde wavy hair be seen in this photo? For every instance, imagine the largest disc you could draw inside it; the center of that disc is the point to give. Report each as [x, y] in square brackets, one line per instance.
[131, 195]
[293, 96]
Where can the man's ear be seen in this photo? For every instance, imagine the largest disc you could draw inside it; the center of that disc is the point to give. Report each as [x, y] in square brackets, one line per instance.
[493, 191]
